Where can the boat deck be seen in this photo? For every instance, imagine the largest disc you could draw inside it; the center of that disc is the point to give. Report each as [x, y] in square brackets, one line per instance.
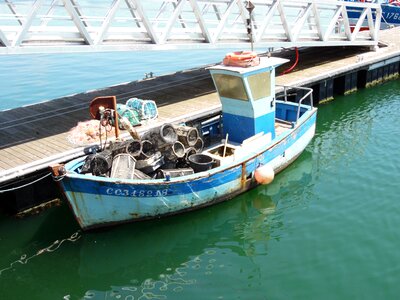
[281, 127]
[33, 137]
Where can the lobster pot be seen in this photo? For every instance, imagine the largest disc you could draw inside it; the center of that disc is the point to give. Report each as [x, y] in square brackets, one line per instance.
[169, 164]
[147, 149]
[150, 164]
[184, 162]
[187, 135]
[174, 151]
[172, 173]
[134, 148]
[140, 175]
[123, 166]
[189, 151]
[161, 136]
[130, 114]
[199, 145]
[147, 109]
[168, 134]
[86, 168]
[118, 147]
[101, 162]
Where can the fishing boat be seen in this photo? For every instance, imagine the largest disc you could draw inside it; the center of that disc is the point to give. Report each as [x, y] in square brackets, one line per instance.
[390, 14]
[261, 135]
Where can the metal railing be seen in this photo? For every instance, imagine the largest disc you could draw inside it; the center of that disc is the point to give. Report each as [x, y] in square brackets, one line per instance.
[308, 94]
[83, 25]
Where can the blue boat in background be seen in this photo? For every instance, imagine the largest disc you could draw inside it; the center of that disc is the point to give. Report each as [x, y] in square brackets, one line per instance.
[390, 13]
[262, 136]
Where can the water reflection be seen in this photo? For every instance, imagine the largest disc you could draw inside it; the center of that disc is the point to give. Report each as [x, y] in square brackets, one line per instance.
[155, 260]
[284, 241]
[261, 222]
[347, 127]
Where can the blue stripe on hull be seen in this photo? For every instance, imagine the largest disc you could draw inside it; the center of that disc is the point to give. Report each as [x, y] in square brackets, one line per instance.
[95, 210]
[97, 201]
[154, 190]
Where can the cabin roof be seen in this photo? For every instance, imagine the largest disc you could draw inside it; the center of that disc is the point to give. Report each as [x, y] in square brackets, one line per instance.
[265, 62]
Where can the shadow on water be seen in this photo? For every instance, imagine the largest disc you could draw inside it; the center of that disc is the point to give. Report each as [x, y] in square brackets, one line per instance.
[34, 254]
[153, 259]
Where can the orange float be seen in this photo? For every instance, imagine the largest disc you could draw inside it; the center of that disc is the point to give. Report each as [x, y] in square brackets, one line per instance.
[242, 55]
[241, 59]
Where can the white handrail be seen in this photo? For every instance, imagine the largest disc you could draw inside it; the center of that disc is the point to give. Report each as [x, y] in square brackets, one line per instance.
[309, 94]
[77, 25]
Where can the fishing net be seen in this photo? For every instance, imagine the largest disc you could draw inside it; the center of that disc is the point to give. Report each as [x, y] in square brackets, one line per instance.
[89, 132]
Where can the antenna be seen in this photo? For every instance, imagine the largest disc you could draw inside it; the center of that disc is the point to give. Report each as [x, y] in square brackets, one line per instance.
[250, 8]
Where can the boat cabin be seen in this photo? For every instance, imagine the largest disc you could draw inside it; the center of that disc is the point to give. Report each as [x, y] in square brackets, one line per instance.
[248, 98]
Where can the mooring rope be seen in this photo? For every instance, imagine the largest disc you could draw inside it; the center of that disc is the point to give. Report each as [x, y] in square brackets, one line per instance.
[24, 185]
[23, 260]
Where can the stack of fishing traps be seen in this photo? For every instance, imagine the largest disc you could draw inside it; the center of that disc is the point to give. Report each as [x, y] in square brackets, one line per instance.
[162, 152]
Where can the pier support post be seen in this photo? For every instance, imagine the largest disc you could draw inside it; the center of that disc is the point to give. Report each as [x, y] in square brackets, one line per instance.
[323, 91]
[382, 73]
[346, 84]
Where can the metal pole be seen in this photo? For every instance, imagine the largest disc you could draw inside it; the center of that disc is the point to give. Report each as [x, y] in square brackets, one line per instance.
[250, 8]
[116, 117]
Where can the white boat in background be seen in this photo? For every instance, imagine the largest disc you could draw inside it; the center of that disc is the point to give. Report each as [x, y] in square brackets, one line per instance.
[390, 13]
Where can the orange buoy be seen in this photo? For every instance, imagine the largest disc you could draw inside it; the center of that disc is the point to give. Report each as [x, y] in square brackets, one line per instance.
[264, 174]
[242, 55]
[241, 59]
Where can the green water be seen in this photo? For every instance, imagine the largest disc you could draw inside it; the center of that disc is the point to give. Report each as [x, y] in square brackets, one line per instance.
[326, 228]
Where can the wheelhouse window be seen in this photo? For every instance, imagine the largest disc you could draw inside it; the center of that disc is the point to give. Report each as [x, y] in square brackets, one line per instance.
[229, 86]
[260, 85]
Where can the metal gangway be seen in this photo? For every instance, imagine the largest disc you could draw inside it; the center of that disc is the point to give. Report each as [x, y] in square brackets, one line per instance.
[47, 26]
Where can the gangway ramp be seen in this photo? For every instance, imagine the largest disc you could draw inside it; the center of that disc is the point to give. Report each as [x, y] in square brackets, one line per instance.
[44, 26]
